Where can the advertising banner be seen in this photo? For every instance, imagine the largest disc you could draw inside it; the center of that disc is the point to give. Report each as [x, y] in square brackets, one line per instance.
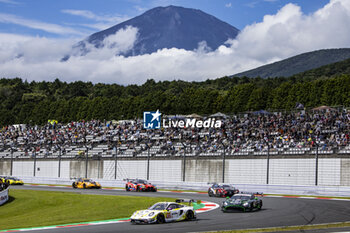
[4, 196]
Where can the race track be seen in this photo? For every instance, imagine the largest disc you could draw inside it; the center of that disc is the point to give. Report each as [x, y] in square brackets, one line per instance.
[276, 212]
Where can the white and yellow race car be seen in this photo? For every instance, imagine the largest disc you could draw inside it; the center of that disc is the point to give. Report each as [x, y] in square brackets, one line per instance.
[162, 212]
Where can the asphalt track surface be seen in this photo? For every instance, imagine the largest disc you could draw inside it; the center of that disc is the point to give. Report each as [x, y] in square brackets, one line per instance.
[276, 212]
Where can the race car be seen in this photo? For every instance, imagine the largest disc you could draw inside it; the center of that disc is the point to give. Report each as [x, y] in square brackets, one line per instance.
[243, 201]
[162, 212]
[84, 183]
[139, 185]
[11, 180]
[222, 190]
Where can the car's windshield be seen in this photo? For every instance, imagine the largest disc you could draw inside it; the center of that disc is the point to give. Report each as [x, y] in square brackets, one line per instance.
[158, 206]
[12, 178]
[142, 182]
[227, 187]
[87, 180]
[236, 197]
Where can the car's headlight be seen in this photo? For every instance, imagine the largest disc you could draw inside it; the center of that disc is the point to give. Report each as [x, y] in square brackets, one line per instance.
[151, 214]
[245, 204]
[225, 203]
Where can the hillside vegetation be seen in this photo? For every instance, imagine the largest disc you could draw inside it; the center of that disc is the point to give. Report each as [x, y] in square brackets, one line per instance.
[36, 102]
[298, 64]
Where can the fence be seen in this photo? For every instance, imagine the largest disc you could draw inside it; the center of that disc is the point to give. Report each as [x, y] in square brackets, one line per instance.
[270, 169]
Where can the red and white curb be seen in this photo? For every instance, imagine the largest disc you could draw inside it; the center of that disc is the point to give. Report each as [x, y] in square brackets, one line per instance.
[208, 206]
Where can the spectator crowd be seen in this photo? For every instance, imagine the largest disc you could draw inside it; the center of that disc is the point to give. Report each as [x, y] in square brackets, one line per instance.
[256, 132]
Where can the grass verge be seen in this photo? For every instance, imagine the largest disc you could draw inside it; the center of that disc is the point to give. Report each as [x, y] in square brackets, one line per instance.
[290, 228]
[29, 208]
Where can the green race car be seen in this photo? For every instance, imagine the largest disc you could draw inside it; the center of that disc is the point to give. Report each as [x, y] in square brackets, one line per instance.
[242, 202]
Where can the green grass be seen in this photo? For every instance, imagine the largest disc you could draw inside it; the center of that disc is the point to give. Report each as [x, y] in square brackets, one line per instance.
[28, 208]
[332, 226]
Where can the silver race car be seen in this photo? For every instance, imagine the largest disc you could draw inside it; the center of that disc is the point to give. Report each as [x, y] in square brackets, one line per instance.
[162, 212]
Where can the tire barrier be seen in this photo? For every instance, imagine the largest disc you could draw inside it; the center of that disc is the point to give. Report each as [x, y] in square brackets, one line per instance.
[4, 196]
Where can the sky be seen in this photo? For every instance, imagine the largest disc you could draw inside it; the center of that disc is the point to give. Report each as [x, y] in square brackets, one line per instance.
[36, 34]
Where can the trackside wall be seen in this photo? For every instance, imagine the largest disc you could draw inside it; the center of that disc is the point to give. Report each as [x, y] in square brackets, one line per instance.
[282, 171]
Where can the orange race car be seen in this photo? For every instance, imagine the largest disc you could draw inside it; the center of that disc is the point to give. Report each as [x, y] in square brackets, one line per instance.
[84, 183]
[139, 185]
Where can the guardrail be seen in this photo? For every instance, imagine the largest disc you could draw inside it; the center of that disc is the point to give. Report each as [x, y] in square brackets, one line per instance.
[4, 196]
[201, 186]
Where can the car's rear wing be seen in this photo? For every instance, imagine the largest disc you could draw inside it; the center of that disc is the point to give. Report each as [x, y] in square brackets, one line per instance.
[189, 201]
[253, 193]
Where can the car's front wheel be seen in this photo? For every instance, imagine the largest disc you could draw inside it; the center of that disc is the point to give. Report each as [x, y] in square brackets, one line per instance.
[160, 218]
[74, 185]
[210, 193]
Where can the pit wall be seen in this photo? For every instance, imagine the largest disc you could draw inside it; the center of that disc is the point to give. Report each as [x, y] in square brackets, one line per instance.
[290, 171]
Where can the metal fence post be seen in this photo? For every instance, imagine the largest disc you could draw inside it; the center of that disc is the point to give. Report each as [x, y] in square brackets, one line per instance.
[34, 163]
[148, 155]
[184, 164]
[268, 164]
[316, 165]
[115, 163]
[11, 165]
[86, 161]
[59, 163]
[223, 164]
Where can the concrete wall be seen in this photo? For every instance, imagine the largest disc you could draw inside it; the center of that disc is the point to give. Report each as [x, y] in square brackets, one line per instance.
[345, 172]
[203, 170]
[23, 168]
[78, 169]
[283, 171]
[245, 171]
[292, 171]
[166, 170]
[5, 167]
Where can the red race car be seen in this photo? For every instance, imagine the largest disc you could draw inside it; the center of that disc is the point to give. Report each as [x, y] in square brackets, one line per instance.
[222, 190]
[139, 185]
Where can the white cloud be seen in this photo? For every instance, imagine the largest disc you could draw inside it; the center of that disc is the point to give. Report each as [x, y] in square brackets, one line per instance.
[52, 28]
[228, 5]
[284, 34]
[9, 2]
[103, 21]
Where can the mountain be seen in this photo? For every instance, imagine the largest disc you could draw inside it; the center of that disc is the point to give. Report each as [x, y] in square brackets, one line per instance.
[330, 70]
[298, 64]
[168, 27]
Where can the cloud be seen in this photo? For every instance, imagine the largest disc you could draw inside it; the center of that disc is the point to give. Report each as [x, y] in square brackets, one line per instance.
[228, 5]
[9, 2]
[286, 33]
[103, 21]
[34, 24]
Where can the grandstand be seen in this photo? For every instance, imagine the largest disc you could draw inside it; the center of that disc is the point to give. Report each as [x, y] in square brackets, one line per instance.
[303, 133]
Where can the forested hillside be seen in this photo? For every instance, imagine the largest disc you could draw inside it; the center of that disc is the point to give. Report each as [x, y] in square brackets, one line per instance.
[36, 102]
[297, 64]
